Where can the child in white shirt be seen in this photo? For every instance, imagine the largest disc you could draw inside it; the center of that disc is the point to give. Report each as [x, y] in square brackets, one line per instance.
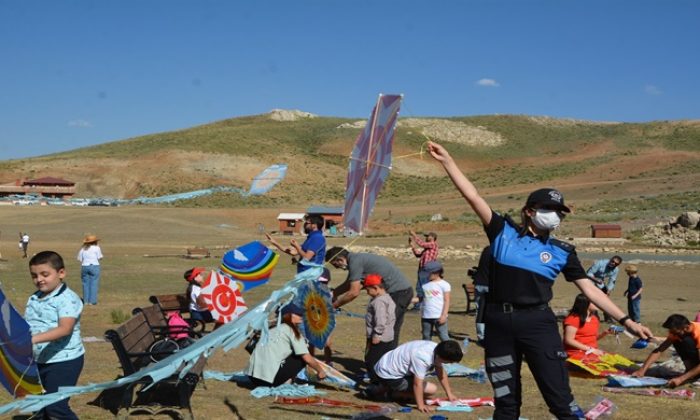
[436, 302]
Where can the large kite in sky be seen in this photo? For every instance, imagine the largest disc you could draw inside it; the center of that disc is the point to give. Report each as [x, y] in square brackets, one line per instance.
[370, 162]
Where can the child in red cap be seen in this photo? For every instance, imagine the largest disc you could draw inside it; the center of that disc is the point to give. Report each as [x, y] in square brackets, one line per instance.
[198, 307]
[379, 321]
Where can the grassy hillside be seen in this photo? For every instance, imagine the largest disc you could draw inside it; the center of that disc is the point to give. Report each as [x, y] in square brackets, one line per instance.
[534, 150]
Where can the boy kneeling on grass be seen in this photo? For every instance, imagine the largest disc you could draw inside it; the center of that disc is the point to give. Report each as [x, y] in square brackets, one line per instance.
[401, 372]
[685, 338]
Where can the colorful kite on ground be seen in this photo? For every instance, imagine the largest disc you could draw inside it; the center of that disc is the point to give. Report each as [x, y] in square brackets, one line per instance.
[250, 265]
[605, 365]
[319, 316]
[267, 179]
[370, 162]
[681, 394]
[18, 371]
[223, 297]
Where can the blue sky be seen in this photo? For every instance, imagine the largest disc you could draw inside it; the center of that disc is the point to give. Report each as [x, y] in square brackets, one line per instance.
[76, 73]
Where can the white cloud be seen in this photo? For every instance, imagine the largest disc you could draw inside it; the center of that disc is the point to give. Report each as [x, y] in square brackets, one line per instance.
[79, 123]
[488, 83]
[652, 90]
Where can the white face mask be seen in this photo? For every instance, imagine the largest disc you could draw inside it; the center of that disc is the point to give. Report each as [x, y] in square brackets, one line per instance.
[546, 219]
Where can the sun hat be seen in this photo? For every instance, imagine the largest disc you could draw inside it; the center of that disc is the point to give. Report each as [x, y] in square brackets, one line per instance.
[372, 280]
[547, 197]
[90, 239]
[432, 266]
[195, 272]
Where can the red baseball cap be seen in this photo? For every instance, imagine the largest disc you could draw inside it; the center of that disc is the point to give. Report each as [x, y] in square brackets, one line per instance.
[195, 272]
[372, 280]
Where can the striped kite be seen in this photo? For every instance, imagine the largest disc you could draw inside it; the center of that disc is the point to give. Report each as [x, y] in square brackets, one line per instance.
[370, 162]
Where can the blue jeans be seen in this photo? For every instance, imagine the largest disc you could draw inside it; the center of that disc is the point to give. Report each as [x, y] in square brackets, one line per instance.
[422, 279]
[427, 330]
[634, 310]
[54, 375]
[90, 275]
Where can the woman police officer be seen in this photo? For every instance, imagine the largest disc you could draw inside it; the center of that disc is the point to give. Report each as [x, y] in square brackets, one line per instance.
[519, 322]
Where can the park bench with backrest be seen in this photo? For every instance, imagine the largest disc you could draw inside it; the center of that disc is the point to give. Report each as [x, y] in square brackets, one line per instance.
[137, 346]
[158, 321]
[180, 303]
[471, 295]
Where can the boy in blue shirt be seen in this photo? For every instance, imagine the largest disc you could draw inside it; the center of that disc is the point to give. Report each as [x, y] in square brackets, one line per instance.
[633, 293]
[53, 315]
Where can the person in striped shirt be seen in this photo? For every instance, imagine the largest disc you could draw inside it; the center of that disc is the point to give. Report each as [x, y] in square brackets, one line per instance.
[426, 251]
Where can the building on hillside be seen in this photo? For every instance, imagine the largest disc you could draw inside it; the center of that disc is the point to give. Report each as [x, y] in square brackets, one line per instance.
[606, 231]
[49, 187]
[291, 223]
[333, 217]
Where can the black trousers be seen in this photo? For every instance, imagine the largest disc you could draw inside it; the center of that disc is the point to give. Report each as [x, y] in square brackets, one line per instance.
[373, 353]
[688, 352]
[401, 299]
[54, 375]
[289, 368]
[533, 335]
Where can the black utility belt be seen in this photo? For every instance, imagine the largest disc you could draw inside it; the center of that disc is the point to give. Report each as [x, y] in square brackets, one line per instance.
[514, 307]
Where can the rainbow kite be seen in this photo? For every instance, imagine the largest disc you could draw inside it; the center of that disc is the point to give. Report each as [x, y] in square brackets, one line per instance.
[250, 265]
[18, 371]
[370, 162]
[223, 297]
[319, 316]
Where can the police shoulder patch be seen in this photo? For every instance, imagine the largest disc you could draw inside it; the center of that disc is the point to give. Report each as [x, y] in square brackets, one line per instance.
[563, 245]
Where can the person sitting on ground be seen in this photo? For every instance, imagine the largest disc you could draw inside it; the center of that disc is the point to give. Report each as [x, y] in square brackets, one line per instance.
[685, 338]
[436, 302]
[198, 306]
[379, 321]
[581, 329]
[402, 371]
[284, 354]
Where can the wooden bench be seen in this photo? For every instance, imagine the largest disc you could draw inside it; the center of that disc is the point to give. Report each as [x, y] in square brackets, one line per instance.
[181, 303]
[158, 321]
[137, 346]
[471, 296]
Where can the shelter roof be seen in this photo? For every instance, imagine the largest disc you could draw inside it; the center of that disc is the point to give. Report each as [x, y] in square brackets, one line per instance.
[291, 216]
[324, 210]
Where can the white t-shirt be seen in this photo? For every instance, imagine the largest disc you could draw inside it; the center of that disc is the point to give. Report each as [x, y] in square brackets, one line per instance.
[413, 358]
[434, 298]
[90, 256]
[194, 294]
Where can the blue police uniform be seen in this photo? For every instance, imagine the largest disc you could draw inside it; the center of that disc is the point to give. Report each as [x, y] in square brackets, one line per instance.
[519, 322]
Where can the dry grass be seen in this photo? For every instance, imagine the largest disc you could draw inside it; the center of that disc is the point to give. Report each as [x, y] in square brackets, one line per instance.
[129, 278]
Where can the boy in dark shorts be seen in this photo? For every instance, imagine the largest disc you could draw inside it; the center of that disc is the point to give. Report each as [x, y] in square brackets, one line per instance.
[402, 371]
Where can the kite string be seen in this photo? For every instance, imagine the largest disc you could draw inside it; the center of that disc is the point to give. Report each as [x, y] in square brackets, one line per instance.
[21, 378]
